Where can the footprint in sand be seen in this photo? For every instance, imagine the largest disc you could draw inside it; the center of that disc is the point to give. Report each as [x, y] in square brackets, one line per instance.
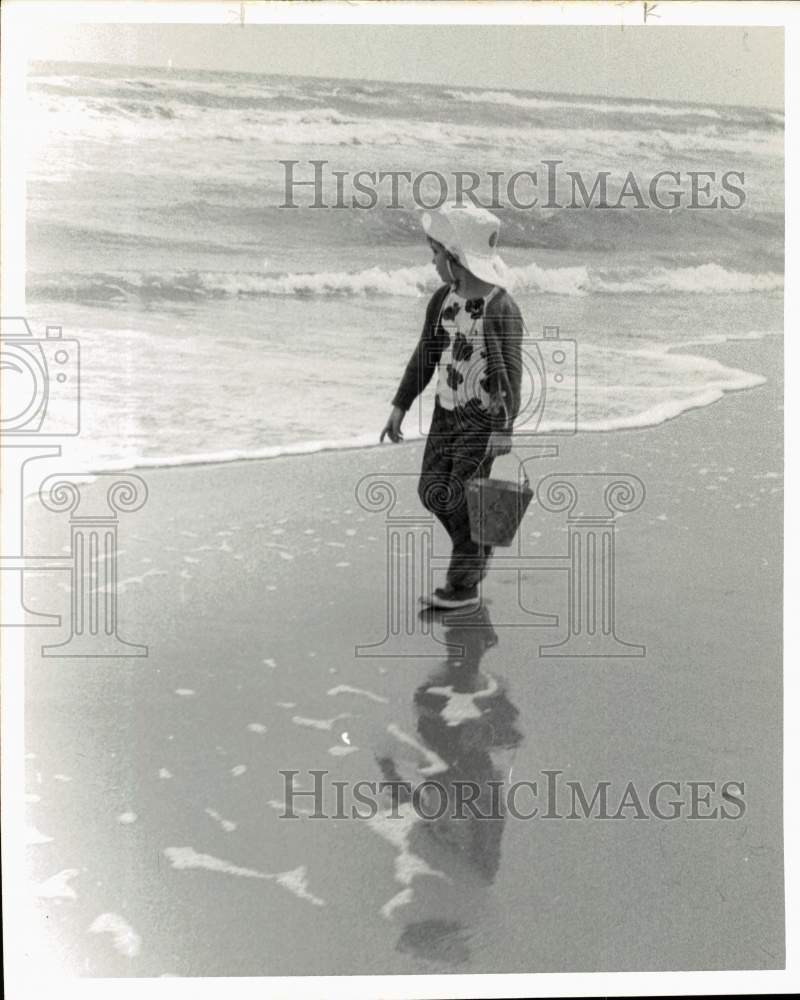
[322, 724]
[57, 886]
[347, 689]
[296, 881]
[34, 837]
[124, 938]
[227, 824]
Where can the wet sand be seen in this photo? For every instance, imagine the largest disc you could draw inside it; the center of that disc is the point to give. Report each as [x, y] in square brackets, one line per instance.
[154, 787]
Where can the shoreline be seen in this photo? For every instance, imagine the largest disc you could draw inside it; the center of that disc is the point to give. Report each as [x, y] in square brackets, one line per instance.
[304, 449]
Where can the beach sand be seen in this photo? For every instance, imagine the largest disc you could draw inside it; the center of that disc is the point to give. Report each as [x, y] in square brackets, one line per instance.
[154, 787]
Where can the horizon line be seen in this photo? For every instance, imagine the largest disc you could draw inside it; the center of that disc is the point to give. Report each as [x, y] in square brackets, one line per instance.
[600, 98]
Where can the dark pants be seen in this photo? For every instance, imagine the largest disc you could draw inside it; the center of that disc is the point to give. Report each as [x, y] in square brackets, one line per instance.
[455, 452]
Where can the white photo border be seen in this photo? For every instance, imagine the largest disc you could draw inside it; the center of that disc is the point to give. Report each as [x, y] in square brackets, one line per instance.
[26, 975]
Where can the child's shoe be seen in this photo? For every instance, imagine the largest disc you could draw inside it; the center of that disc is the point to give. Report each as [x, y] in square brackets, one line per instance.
[449, 597]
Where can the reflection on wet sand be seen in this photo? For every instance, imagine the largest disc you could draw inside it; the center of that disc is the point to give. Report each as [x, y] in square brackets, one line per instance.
[466, 720]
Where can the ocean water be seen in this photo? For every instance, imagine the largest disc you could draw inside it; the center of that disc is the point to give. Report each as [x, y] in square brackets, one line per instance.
[216, 323]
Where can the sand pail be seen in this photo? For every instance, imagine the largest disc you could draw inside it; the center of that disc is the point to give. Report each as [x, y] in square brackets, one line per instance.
[496, 508]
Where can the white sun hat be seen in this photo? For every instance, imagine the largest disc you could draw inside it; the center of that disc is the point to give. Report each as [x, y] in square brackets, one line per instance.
[470, 233]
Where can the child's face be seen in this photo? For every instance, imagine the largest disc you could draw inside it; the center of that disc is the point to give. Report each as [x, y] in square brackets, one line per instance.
[441, 261]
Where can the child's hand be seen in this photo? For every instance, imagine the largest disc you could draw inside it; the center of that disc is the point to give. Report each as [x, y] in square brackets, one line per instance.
[392, 427]
[499, 444]
[498, 408]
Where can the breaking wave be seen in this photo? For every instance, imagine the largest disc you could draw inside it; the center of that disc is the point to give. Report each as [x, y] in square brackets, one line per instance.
[709, 278]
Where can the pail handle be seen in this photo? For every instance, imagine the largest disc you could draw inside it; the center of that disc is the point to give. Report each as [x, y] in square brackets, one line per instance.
[522, 472]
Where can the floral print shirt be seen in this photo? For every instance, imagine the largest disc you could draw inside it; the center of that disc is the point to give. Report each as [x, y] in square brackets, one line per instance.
[462, 367]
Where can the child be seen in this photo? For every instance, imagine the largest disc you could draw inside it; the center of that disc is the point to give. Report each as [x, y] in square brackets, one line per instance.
[473, 332]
